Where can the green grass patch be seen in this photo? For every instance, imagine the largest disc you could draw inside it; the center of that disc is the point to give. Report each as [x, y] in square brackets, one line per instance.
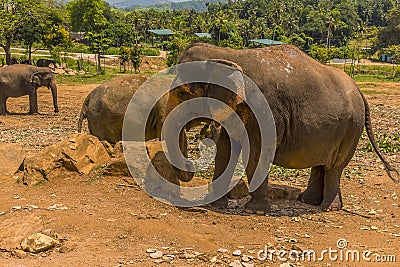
[358, 77]
[87, 78]
[373, 92]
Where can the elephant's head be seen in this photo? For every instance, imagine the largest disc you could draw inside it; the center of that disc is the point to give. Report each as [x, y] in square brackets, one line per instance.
[46, 78]
[220, 74]
[206, 80]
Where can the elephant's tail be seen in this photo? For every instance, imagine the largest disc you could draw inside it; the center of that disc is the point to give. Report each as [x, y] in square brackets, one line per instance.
[83, 114]
[388, 167]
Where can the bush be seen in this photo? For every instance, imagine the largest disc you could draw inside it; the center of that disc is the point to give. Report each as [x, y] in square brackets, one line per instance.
[148, 51]
[112, 51]
[79, 48]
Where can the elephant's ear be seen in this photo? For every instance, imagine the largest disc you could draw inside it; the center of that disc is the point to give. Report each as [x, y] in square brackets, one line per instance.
[236, 76]
[36, 79]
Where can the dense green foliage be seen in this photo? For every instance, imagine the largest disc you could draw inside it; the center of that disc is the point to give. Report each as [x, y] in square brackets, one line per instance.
[323, 28]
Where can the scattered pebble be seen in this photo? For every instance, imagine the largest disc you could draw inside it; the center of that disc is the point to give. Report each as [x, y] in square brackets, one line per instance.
[237, 253]
[246, 258]
[223, 250]
[151, 250]
[213, 259]
[156, 255]
[57, 207]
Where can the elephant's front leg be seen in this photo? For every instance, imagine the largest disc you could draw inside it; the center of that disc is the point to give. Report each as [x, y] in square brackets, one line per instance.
[259, 202]
[185, 176]
[33, 103]
[225, 162]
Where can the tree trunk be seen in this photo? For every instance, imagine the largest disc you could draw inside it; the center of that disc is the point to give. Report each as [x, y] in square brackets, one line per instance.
[98, 62]
[7, 51]
[30, 53]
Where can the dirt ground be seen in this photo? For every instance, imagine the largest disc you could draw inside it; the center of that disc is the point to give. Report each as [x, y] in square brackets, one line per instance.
[106, 224]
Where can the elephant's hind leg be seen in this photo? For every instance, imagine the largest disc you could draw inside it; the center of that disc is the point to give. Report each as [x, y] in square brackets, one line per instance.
[314, 193]
[332, 195]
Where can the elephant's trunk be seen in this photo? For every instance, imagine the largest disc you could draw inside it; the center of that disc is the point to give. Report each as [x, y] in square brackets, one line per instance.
[53, 88]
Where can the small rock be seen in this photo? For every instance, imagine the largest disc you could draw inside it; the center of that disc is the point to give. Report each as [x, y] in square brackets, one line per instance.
[247, 258]
[16, 207]
[237, 253]
[158, 261]
[187, 256]
[37, 243]
[151, 250]
[2, 213]
[245, 264]
[19, 253]
[65, 248]
[57, 207]
[166, 258]
[223, 250]
[285, 264]
[213, 259]
[372, 212]
[203, 258]
[156, 255]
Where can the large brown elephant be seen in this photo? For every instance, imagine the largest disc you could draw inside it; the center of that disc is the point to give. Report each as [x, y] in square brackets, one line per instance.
[318, 110]
[20, 80]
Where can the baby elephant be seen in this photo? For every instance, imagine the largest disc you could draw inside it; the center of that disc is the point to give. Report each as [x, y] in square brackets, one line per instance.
[106, 105]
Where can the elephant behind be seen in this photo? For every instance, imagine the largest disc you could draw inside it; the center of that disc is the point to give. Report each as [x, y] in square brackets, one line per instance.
[106, 105]
[19, 80]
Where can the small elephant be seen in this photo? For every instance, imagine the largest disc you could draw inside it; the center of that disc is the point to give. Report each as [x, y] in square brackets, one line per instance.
[319, 115]
[19, 80]
[106, 105]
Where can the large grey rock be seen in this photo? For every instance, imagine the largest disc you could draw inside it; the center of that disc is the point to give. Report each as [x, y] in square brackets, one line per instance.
[80, 153]
[11, 158]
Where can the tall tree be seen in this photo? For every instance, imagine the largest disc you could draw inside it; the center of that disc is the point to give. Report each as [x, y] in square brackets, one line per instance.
[91, 17]
[11, 19]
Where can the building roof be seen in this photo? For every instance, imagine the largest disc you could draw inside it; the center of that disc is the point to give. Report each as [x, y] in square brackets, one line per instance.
[162, 32]
[266, 41]
[203, 34]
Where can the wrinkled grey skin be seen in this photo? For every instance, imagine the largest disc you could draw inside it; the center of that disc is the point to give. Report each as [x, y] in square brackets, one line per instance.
[20, 80]
[106, 105]
[318, 110]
